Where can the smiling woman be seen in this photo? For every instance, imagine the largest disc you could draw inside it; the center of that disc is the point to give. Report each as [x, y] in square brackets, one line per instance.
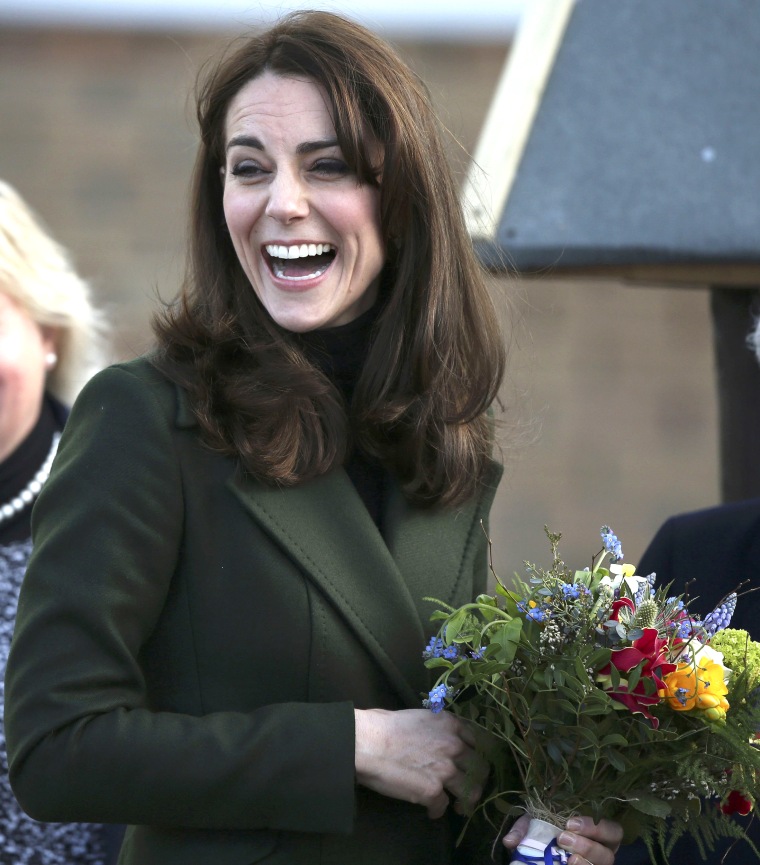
[316, 132]
[287, 191]
[220, 641]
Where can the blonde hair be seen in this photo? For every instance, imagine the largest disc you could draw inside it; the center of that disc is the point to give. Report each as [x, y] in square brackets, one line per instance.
[38, 274]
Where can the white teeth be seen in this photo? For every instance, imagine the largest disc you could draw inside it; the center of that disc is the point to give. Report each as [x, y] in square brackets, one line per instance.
[302, 251]
[278, 267]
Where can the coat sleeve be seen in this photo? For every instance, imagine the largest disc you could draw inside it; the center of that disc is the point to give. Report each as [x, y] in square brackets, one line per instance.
[83, 743]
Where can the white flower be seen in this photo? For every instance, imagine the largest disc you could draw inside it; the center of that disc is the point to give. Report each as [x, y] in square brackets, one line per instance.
[624, 574]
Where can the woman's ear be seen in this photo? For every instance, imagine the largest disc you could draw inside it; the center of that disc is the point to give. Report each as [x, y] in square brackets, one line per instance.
[50, 345]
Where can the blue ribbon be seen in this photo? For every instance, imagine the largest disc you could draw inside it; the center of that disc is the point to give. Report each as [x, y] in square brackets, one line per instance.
[549, 858]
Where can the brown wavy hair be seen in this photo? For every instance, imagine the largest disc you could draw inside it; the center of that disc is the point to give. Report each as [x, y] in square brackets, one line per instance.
[437, 356]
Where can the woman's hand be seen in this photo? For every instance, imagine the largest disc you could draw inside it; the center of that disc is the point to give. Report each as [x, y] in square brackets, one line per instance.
[590, 843]
[419, 757]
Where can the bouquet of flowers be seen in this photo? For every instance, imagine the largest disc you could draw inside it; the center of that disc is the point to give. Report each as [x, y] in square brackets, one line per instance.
[599, 693]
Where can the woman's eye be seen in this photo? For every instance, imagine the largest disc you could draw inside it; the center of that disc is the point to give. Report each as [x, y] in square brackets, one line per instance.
[330, 168]
[247, 168]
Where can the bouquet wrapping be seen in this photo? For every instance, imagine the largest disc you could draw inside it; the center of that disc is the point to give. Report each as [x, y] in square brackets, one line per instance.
[537, 843]
[599, 693]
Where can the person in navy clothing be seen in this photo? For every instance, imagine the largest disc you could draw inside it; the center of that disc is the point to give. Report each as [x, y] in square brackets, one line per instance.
[707, 554]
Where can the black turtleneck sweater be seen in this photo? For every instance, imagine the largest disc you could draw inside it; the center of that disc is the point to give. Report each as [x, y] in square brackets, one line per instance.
[340, 352]
[23, 464]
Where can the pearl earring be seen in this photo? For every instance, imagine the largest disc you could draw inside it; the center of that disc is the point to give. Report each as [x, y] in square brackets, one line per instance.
[51, 359]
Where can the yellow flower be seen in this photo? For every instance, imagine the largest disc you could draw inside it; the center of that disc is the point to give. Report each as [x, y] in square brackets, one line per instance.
[700, 652]
[697, 685]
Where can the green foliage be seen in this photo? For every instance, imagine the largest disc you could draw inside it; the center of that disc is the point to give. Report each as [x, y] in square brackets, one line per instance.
[739, 651]
[571, 727]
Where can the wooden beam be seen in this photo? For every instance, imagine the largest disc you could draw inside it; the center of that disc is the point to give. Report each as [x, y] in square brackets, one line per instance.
[510, 116]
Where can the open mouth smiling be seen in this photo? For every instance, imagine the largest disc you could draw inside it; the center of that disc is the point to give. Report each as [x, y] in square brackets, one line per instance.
[300, 261]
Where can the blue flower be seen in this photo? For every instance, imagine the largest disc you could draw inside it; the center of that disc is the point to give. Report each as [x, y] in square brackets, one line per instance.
[537, 614]
[611, 543]
[570, 590]
[434, 648]
[684, 628]
[638, 596]
[681, 694]
[436, 699]
[720, 617]
[477, 655]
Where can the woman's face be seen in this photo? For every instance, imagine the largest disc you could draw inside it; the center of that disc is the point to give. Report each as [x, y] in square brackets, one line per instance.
[24, 347]
[307, 234]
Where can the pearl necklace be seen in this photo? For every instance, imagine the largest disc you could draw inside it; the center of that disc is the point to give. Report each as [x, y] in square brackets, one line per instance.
[32, 489]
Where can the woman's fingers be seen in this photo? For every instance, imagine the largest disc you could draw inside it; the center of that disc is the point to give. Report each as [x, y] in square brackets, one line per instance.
[607, 832]
[419, 757]
[590, 843]
[516, 833]
[437, 806]
[467, 786]
[596, 843]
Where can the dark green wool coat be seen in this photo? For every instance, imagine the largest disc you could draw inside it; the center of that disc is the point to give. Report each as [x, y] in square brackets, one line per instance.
[190, 645]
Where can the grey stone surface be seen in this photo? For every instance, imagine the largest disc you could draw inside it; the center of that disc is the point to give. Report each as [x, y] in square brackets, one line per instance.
[644, 148]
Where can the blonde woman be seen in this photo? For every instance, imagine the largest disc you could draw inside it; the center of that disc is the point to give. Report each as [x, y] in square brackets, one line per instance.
[50, 344]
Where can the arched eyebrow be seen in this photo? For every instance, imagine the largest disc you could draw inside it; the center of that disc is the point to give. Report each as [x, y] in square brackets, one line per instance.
[305, 147]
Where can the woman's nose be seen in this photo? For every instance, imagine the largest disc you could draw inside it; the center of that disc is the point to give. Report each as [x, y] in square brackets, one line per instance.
[287, 198]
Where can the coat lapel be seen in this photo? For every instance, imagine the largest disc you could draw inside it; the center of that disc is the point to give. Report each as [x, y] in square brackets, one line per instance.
[434, 549]
[378, 584]
[325, 528]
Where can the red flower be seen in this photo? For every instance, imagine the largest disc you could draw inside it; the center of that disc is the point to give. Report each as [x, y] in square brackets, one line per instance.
[620, 604]
[737, 803]
[647, 651]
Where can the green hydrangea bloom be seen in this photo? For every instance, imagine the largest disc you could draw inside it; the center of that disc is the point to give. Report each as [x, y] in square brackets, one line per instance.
[738, 650]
